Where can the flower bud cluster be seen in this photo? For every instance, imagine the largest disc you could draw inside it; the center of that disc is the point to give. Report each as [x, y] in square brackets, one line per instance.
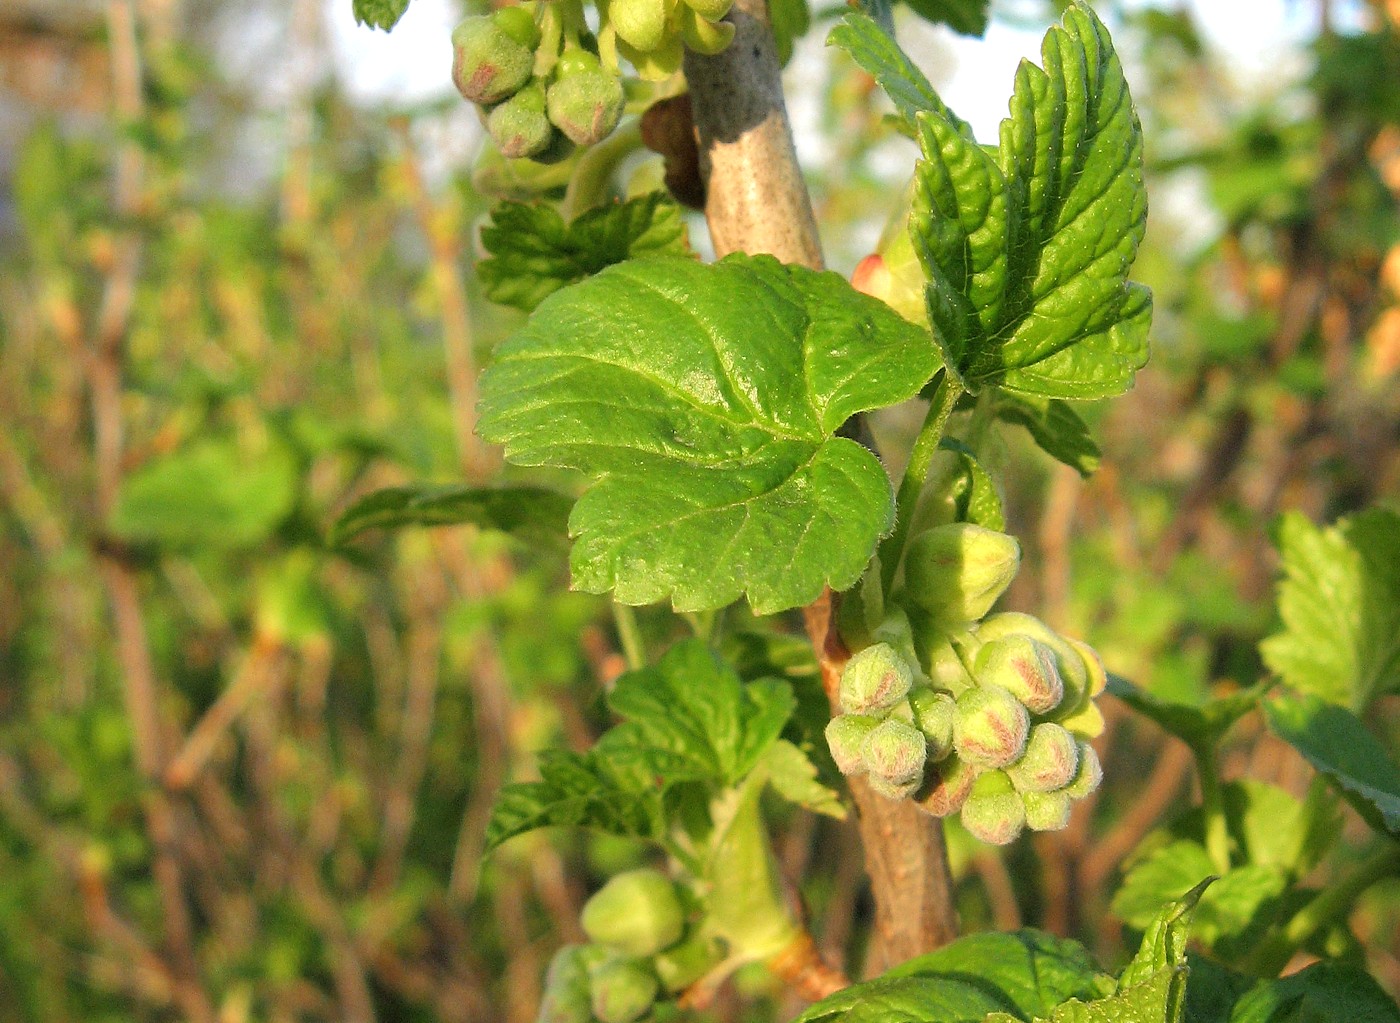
[992, 720]
[544, 83]
[639, 950]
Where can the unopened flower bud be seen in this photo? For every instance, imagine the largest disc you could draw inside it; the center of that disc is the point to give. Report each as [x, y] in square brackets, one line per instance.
[994, 811]
[991, 727]
[947, 786]
[1074, 673]
[1079, 713]
[890, 790]
[894, 752]
[845, 735]
[874, 680]
[566, 997]
[1025, 668]
[622, 990]
[1050, 761]
[518, 125]
[1046, 811]
[710, 10]
[682, 965]
[639, 23]
[637, 912]
[1087, 778]
[488, 63]
[956, 572]
[585, 102]
[893, 273]
[707, 37]
[934, 713]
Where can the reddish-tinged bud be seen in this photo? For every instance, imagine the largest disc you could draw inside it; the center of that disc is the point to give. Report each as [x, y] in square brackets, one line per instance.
[1046, 811]
[488, 63]
[991, 727]
[956, 572]
[519, 126]
[1025, 668]
[1087, 778]
[947, 786]
[1050, 761]
[894, 752]
[1074, 673]
[585, 102]
[874, 680]
[845, 736]
[994, 811]
[934, 714]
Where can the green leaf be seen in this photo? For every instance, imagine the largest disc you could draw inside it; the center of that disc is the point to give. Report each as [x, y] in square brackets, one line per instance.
[1027, 247]
[1198, 725]
[1025, 973]
[1340, 605]
[1340, 748]
[790, 20]
[695, 707]
[382, 14]
[966, 16]
[1055, 426]
[794, 777]
[975, 497]
[534, 253]
[210, 495]
[1319, 994]
[530, 513]
[878, 55]
[704, 400]
[578, 790]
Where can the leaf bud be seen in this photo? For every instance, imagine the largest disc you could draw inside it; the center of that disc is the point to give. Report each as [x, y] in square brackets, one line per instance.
[874, 680]
[622, 990]
[894, 752]
[488, 63]
[518, 125]
[1089, 775]
[585, 102]
[947, 786]
[637, 912]
[957, 571]
[845, 736]
[566, 997]
[1046, 811]
[934, 713]
[1025, 668]
[991, 727]
[994, 811]
[1050, 761]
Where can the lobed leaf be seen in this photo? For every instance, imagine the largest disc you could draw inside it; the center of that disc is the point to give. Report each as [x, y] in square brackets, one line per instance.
[1340, 605]
[704, 401]
[534, 252]
[1055, 427]
[1027, 247]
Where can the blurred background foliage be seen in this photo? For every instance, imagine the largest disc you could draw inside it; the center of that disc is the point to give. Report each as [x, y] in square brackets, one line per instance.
[246, 776]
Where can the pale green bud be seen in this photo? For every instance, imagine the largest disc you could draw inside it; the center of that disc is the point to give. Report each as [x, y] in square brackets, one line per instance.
[682, 965]
[488, 63]
[637, 912]
[622, 991]
[991, 727]
[994, 811]
[1050, 761]
[956, 572]
[1025, 668]
[702, 36]
[710, 10]
[894, 752]
[890, 790]
[1046, 811]
[934, 714]
[566, 997]
[518, 125]
[639, 23]
[1074, 673]
[946, 669]
[845, 736]
[585, 102]
[947, 786]
[875, 679]
[1089, 775]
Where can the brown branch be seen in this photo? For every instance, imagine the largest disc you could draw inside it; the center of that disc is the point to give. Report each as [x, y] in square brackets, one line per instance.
[756, 201]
